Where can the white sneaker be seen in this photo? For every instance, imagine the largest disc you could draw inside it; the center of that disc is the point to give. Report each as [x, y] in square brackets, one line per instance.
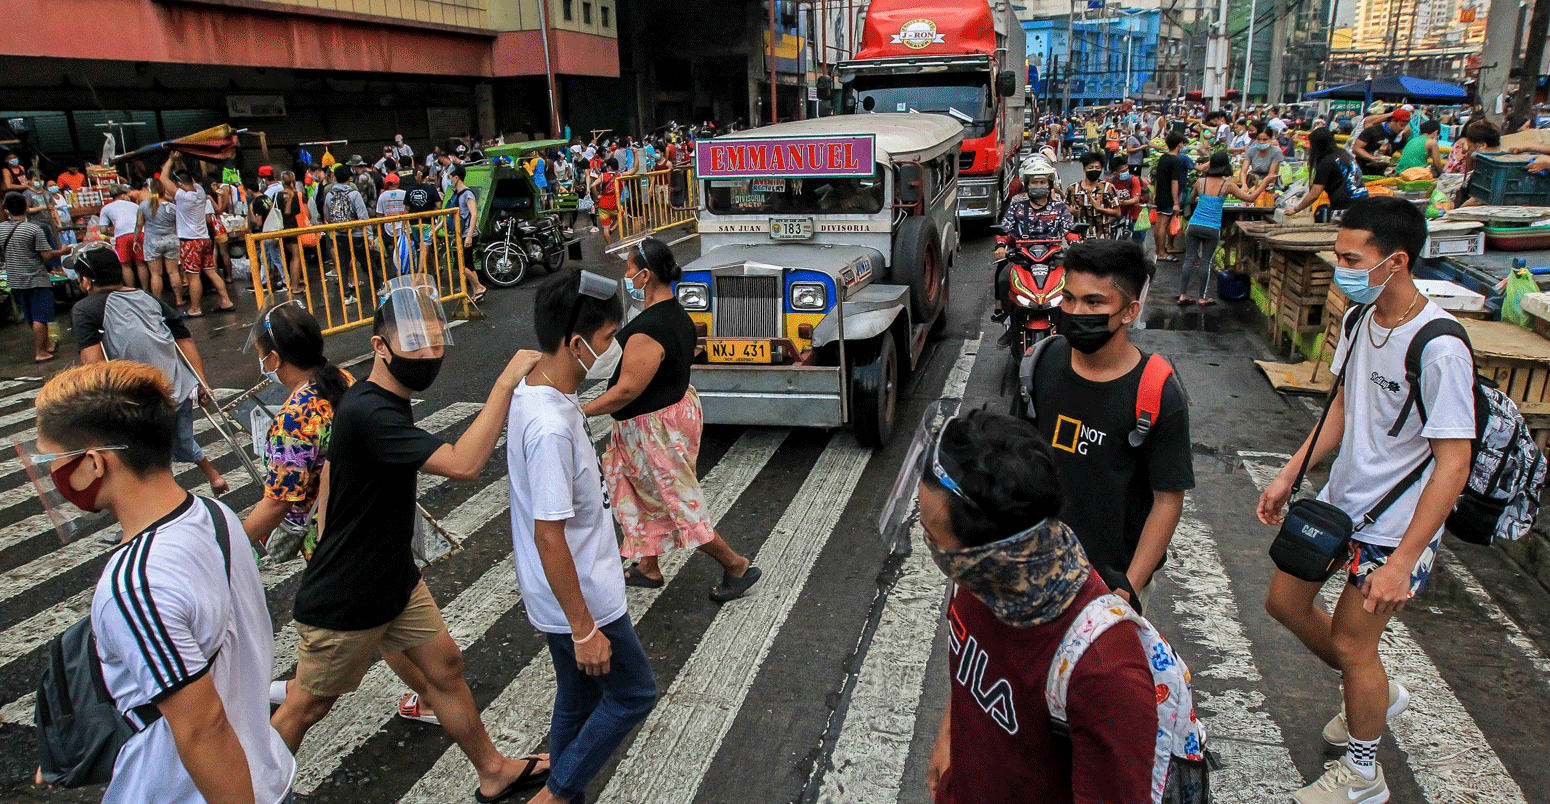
[1343, 784]
[1335, 730]
[276, 693]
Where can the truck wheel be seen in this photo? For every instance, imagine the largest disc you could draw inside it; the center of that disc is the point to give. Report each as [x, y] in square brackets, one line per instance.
[503, 266]
[919, 263]
[874, 389]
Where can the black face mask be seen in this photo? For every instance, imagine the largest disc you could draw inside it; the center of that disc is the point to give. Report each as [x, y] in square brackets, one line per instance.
[416, 373]
[1086, 332]
[1094, 175]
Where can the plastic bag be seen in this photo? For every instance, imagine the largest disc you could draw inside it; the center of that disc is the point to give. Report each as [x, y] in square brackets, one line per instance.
[1518, 283]
[1143, 222]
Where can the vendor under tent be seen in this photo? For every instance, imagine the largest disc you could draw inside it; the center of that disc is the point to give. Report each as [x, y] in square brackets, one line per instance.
[1393, 88]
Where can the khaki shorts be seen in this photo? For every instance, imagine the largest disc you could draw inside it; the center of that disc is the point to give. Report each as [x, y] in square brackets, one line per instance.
[331, 663]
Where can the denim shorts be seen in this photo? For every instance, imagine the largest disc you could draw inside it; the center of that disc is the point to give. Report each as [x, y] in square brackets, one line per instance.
[184, 447]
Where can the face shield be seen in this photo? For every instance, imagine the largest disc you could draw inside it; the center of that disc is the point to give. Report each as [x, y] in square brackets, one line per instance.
[596, 286]
[69, 520]
[265, 319]
[901, 510]
[411, 307]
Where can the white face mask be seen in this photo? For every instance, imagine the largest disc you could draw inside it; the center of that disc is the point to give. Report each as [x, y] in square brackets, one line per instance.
[603, 365]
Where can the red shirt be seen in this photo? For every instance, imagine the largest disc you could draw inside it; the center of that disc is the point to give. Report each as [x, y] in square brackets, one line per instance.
[1002, 748]
[1133, 189]
[72, 181]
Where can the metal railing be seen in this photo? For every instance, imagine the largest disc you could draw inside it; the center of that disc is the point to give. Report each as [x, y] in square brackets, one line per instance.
[651, 202]
[334, 269]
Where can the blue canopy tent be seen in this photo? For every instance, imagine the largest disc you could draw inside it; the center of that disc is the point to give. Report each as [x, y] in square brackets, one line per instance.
[1394, 88]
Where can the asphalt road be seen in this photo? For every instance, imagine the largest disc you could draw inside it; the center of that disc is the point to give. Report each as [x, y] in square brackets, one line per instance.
[828, 682]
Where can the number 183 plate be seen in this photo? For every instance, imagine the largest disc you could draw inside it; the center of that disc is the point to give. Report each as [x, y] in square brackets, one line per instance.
[791, 228]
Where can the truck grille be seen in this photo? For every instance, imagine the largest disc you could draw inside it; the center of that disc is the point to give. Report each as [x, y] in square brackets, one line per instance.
[965, 160]
[748, 306]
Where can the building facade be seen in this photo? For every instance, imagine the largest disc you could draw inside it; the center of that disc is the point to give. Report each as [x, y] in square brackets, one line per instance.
[1101, 59]
[1436, 39]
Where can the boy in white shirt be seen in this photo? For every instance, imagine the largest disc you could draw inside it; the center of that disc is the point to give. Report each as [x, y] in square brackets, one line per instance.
[1391, 557]
[566, 554]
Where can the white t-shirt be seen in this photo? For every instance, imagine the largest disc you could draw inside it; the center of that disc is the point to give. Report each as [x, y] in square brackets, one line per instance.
[1371, 462]
[273, 190]
[554, 475]
[1277, 125]
[191, 206]
[391, 202]
[122, 215]
[164, 615]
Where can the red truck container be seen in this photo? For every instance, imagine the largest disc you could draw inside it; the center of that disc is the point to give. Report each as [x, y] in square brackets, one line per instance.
[962, 58]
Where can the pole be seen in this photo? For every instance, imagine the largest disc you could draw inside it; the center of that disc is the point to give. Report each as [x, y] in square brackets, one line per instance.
[543, 24]
[773, 115]
[1248, 51]
[1065, 86]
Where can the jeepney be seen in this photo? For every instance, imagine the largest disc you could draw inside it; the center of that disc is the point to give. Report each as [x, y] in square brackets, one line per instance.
[826, 250]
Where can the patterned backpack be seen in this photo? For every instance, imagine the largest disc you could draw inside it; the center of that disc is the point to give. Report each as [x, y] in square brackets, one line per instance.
[1181, 767]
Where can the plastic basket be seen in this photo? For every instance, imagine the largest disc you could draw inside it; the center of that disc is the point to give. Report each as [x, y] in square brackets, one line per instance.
[1499, 179]
[1424, 185]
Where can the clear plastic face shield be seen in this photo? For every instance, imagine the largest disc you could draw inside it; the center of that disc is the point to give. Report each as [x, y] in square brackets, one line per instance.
[74, 261]
[411, 305]
[901, 510]
[70, 521]
[596, 286]
[265, 319]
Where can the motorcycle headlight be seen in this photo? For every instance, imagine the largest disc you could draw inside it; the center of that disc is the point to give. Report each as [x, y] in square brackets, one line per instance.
[809, 296]
[694, 296]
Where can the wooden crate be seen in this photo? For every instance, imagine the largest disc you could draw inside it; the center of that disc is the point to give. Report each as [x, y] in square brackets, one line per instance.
[1516, 359]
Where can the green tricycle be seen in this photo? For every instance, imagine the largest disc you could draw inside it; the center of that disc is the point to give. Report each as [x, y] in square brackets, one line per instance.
[518, 226]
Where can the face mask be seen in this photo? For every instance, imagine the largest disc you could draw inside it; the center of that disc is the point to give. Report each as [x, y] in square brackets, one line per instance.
[638, 294]
[13, 161]
[53, 189]
[85, 499]
[1027, 579]
[1094, 175]
[37, 185]
[603, 365]
[1355, 284]
[416, 373]
[1123, 175]
[1086, 332]
[274, 376]
[1038, 193]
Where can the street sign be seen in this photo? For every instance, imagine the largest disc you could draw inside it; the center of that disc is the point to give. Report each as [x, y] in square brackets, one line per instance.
[1095, 3]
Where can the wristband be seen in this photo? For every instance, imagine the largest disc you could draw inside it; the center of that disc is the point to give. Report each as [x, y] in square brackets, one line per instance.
[588, 637]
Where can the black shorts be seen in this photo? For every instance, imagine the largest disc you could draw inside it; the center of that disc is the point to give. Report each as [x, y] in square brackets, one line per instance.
[36, 304]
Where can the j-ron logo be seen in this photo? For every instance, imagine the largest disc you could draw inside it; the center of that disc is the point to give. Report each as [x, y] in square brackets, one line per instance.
[917, 34]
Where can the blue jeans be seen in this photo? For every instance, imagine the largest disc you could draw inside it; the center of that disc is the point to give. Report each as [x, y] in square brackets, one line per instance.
[271, 259]
[593, 714]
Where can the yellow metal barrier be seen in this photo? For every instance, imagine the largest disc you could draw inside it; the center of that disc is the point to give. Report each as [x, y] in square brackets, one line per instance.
[335, 268]
[651, 202]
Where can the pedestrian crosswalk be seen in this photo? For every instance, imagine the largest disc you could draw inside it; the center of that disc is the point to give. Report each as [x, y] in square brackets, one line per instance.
[799, 500]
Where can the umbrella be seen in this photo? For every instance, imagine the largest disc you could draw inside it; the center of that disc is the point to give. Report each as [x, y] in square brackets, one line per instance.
[1394, 87]
[215, 144]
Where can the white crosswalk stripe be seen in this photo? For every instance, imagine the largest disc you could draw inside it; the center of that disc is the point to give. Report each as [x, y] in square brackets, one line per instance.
[1448, 754]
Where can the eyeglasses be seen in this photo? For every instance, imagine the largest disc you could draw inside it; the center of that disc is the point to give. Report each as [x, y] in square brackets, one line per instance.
[43, 459]
[941, 473]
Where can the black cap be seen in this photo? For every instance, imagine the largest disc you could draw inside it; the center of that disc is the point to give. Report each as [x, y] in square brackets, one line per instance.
[100, 264]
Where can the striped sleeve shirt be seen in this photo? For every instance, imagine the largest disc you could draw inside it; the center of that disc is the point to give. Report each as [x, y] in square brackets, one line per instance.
[21, 243]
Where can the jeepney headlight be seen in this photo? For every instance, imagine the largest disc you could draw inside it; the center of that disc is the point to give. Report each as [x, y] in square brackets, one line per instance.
[809, 296]
[974, 190]
[694, 296]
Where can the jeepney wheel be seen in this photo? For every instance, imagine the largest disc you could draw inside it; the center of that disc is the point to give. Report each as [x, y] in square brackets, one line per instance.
[874, 389]
[918, 262]
[503, 266]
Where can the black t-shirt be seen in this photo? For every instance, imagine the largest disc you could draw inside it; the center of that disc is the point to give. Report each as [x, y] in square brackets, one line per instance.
[1169, 167]
[363, 570]
[1371, 139]
[666, 323]
[1339, 175]
[421, 198]
[1107, 484]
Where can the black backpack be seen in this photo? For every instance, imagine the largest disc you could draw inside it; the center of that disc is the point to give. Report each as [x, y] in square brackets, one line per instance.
[80, 728]
[1507, 469]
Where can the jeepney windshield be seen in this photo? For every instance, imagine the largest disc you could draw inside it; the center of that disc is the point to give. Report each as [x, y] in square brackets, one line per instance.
[806, 196]
[953, 95]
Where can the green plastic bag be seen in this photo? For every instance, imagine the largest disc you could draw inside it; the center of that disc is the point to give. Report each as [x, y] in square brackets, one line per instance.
[1143, 221]
[1519, 282]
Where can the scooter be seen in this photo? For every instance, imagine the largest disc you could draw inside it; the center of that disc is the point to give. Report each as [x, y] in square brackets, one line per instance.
[1038, 281]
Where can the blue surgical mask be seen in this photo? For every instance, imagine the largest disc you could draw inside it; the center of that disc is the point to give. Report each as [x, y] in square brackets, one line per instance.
[1356, 284]
[638, 294]
[274, 376]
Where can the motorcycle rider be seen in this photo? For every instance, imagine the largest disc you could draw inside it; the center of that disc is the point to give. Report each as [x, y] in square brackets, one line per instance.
[1038, 215]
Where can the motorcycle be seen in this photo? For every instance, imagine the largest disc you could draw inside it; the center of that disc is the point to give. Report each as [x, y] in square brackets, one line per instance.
[1037, 279]
[519, 244]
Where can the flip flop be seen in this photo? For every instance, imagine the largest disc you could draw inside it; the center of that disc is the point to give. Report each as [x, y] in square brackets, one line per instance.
[194, 315]
[528, 780]
[1186, 302]
[733, 588]
[634, 577]
[1206, 302]
[227, 309]
[409, 709]
[479, 297]
[45, 359]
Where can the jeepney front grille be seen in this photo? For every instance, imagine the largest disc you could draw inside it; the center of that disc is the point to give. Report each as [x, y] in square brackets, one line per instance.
[748, 306]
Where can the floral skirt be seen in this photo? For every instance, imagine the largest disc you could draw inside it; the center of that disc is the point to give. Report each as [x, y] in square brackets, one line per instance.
[650, 470]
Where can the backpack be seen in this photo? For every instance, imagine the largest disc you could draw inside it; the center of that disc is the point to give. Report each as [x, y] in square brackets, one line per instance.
[338, 206]
[80, 728]
[1181, 765]
[1506, 469]
[1148, 396]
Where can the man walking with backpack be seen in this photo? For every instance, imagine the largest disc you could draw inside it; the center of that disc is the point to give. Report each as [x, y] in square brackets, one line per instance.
[173, 596]
[1083, 391]
[343, 203]
[1404, 456]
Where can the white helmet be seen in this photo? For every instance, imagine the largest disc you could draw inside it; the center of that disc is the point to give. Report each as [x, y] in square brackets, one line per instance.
[1037, 166]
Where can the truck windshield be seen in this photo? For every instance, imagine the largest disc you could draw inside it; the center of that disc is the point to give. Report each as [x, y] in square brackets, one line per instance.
[968, 102]
[806, 196]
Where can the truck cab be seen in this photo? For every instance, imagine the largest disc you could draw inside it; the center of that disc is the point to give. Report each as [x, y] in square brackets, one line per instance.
[826, 250]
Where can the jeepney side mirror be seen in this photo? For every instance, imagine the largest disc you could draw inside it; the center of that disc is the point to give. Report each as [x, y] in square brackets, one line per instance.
[911, 180]
[1006, 83]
